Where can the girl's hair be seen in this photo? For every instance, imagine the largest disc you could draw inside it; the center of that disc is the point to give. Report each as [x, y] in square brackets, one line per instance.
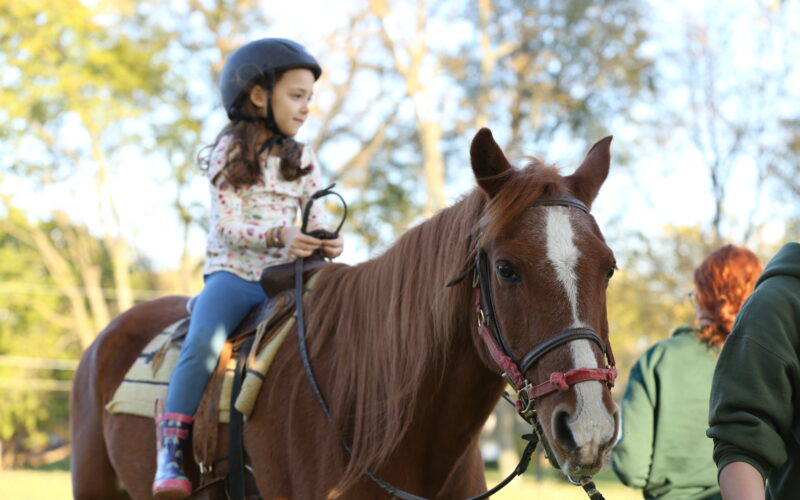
[242, 168]
[723, 282]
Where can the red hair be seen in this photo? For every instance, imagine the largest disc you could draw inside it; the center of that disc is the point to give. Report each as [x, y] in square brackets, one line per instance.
[723, 282]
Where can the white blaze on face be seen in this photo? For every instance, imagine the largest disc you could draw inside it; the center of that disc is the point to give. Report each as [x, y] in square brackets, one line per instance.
[590, 424]
[563, 254]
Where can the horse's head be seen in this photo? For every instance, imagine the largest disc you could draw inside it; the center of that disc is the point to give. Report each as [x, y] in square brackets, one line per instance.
[544, 268]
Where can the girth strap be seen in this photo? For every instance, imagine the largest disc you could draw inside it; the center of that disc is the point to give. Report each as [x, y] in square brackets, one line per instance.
[236, 452]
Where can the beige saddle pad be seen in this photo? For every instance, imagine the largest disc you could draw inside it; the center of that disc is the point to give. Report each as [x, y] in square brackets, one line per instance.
[149, 376]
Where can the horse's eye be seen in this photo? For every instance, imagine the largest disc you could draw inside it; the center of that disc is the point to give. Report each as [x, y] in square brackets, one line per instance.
[611, 271]
[506, 272]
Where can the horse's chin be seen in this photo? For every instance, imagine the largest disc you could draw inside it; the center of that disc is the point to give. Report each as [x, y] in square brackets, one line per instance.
[581, 438]
[576, 466]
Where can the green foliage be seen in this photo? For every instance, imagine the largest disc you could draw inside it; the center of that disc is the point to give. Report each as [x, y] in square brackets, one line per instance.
[562, 67]
[84, 87]
[530, 70]
[31, 325]
[36, 322]
[28, 308]
[648, 296]
[63, 66]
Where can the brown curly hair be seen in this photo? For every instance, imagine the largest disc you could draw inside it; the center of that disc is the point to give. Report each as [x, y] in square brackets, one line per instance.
[242, 168]
[722, 283]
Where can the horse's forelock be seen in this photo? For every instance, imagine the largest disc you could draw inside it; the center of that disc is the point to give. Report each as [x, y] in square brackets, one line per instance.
[523, 188]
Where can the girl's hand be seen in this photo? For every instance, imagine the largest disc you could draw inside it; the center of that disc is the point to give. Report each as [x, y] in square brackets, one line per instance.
[333, 248]
[299, 244]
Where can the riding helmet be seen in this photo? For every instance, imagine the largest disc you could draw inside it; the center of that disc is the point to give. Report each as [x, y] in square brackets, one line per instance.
[261, 58]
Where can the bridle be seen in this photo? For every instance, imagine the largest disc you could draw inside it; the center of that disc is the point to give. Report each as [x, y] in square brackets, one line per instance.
[513, 371]
[489, 330]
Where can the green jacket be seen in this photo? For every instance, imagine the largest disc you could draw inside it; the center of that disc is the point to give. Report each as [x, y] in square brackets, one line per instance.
[663, 449]
[755, 404]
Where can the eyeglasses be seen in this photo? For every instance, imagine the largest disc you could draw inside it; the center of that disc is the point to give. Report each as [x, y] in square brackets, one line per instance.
[692, 296]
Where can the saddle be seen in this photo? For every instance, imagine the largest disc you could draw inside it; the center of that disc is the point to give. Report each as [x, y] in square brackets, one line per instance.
[255, 330]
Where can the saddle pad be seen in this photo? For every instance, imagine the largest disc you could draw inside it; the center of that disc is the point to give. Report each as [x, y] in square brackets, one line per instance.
[148, 377]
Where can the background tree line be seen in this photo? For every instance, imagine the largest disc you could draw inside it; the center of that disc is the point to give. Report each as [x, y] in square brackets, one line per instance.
[104, 107]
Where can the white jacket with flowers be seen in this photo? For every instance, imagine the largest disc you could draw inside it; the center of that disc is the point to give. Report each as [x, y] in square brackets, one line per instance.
[240, 218]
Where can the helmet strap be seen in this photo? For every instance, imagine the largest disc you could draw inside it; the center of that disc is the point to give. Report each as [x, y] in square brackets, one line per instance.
[237, 116]
[277, 137]
[270, 142]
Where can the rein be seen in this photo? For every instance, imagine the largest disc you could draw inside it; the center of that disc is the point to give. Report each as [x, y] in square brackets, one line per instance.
[489, 331]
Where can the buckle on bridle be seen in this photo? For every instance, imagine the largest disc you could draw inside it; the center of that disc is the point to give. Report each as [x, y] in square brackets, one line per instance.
[525, 404]
[482, 320]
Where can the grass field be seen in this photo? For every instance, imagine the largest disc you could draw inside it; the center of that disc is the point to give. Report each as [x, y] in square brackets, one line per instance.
[54, 484]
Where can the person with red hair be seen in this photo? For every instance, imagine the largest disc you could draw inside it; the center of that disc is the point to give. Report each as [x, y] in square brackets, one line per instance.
[754, 416]
[663, 449]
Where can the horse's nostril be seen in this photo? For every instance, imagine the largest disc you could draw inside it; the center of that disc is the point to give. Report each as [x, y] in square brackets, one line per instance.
[563, 432]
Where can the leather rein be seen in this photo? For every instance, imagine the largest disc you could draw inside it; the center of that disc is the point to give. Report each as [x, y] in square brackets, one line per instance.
[489, 330]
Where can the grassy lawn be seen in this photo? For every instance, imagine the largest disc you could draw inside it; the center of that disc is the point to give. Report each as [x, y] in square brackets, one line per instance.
[54, 484]
[35, 485]
[551, 486]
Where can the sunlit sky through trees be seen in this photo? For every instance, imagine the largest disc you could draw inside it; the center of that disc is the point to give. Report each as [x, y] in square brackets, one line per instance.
[659, 184]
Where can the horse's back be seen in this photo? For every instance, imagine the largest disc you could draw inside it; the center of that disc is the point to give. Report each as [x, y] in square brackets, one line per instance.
[100, 371]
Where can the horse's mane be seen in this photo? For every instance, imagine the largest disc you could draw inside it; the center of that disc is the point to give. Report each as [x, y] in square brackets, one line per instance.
[390, 319]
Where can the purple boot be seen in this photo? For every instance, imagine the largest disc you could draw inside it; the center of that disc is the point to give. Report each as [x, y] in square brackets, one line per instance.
[172, 432]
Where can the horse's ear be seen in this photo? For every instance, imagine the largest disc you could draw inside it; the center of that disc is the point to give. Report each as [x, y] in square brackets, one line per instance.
[489, 164]
[586, 181]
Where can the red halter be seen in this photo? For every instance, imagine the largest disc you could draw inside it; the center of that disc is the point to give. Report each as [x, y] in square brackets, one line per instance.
[489, 330]
[558, 381]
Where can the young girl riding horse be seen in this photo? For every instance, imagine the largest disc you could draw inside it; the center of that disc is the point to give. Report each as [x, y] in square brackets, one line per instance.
[260, 178]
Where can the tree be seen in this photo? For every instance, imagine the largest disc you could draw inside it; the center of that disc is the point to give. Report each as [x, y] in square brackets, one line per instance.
[537, 70]
[74, 89]
[37, 321]
[413, 98]
[729, 104]
[88, 88]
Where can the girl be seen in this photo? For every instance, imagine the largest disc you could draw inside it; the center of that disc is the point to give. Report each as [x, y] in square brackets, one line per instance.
[259, 178]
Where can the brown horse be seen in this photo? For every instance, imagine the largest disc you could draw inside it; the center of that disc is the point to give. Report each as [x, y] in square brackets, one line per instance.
[398, 355]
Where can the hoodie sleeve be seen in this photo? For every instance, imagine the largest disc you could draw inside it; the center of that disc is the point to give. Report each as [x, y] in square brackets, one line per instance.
[756, 379]
[633, 455]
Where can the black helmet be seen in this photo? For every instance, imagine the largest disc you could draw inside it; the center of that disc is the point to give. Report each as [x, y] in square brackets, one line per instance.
[264, 57]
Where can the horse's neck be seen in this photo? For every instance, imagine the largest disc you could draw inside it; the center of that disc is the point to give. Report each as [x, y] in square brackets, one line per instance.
[404, 340]
[446, 430]
[461, 390]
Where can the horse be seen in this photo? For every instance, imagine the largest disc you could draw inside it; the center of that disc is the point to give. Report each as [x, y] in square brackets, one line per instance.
[401, 359]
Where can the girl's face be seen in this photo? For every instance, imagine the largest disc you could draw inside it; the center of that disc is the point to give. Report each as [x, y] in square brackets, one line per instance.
[290, 98]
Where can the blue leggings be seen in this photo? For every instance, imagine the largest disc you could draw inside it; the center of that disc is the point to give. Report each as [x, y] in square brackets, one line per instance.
[224, 302]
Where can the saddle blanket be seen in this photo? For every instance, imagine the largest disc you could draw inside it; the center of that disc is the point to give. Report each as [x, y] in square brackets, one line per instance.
[148, 377]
